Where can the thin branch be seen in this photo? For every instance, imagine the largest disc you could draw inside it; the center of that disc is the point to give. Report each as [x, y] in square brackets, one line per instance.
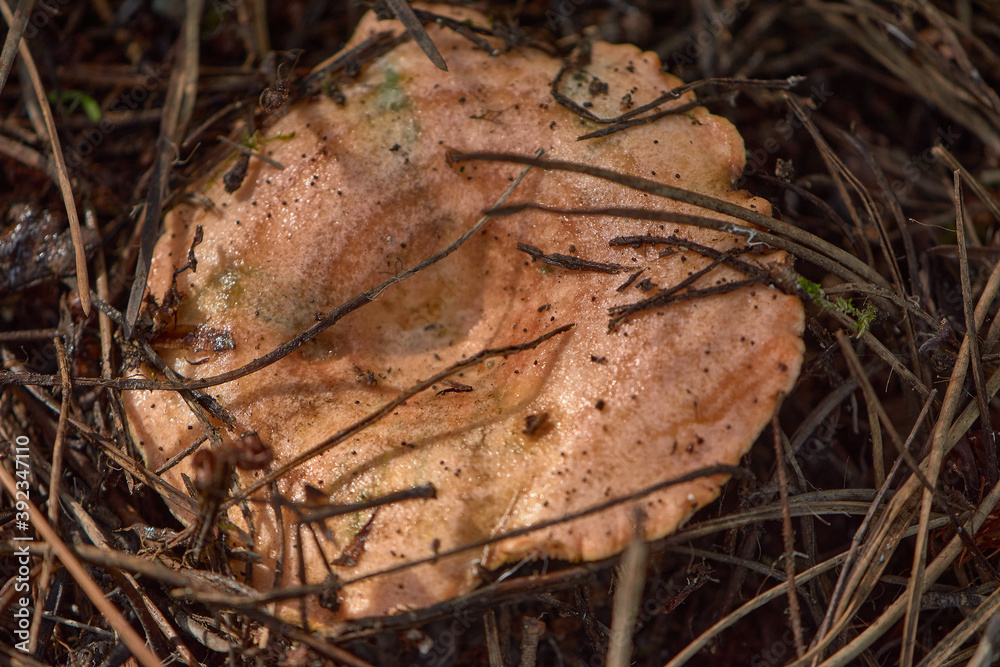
[65, 188]
[404, 13]
[787, 533]
[55, 481]
[277, 594]
[373, 417]
[279, 352]
[849, 263]
[13, 40]
[176, 110]
[568, 261]
[96, 596]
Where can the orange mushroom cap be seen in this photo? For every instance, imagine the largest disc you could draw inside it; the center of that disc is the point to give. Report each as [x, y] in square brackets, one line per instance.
[368, 190]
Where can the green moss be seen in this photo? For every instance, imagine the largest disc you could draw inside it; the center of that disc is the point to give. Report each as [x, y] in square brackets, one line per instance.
[390, 111]
[391, 96]
[863, 316]
[812, 289]
[224, 289]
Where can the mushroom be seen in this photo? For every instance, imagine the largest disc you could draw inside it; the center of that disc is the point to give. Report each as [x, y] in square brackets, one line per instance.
[368, 189]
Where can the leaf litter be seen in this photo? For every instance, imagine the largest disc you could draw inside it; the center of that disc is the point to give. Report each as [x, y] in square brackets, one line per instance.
[934, 63]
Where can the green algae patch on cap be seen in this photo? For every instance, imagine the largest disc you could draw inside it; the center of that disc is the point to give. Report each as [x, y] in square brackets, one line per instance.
[368, 190]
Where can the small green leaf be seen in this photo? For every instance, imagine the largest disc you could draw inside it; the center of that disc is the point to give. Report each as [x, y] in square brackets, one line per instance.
[71, 99]
[91, 108]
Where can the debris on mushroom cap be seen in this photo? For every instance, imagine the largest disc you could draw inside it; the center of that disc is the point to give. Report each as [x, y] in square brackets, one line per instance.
[368, 190]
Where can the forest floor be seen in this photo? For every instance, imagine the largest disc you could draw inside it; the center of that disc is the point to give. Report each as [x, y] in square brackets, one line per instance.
[863, 152]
